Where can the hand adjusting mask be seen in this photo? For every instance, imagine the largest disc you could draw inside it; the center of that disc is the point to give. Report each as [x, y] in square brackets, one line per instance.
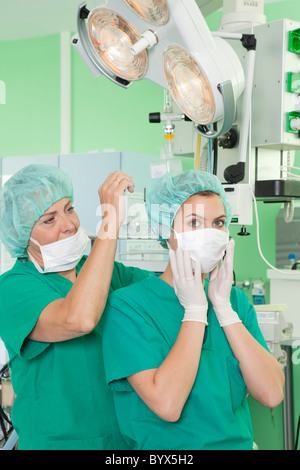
[206, 245]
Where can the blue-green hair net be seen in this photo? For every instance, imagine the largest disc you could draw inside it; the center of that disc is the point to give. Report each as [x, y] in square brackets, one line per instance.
[23, 200]
[165, 195]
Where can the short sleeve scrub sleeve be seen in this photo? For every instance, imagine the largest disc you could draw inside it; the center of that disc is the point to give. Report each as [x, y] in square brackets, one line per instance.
[23, 297]
[62, 402]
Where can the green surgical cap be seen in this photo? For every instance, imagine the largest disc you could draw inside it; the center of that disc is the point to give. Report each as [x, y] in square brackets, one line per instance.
[165, 195]
[23, 200]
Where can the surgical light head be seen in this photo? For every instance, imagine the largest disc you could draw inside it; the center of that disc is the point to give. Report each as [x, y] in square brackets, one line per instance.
[23, 200]
[165, 195]
[171, 46]
[188, 84]
[112, 38]
[154, 11]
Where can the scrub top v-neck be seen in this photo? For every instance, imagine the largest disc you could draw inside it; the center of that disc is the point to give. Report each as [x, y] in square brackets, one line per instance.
[62, 401]
[141, 325]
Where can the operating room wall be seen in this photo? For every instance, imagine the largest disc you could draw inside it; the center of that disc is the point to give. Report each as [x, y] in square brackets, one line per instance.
[104, 116]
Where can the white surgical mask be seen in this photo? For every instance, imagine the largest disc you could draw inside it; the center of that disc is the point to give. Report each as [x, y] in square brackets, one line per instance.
[62, 255]
[206, 245]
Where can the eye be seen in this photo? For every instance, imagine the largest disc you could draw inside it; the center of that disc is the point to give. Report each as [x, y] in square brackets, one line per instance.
[194, 222]
[70, 209]
[219, 223]
[49, 221]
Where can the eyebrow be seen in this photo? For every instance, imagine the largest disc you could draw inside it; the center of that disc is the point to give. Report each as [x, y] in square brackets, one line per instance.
[193, 214]
[200, 216]
[46, 214]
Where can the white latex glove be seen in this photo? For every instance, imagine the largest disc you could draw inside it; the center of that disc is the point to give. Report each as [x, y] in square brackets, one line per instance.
[219, 289]
[188, 286]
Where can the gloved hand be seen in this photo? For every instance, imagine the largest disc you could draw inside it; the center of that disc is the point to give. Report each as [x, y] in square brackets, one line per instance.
[188, 286]
[219, 289]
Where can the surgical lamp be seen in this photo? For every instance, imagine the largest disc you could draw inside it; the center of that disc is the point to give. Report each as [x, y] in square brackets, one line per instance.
[170, 44]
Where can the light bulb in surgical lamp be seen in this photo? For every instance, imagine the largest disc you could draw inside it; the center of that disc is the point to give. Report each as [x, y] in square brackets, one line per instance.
[188, 85]
[112, 37]
[154, 11]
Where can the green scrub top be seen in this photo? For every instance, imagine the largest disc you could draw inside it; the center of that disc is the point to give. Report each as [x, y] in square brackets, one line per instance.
[62, 401]
[140, 327]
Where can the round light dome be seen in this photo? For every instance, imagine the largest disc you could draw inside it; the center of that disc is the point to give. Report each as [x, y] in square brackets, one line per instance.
[154, 11]
[112, 37]
[188, 85]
